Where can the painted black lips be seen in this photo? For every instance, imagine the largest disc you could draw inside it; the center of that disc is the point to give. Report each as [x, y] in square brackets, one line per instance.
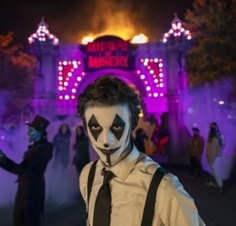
[108, 151]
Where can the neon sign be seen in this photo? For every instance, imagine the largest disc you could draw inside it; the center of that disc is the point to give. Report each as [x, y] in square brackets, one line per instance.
[108, 52]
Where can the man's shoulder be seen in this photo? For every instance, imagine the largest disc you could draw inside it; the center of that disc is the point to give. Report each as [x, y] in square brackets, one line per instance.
[146, 165]
[169, 185]
[85, 171]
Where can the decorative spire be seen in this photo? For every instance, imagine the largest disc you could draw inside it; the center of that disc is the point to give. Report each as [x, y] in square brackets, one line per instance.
[42, 34]
[176, 30]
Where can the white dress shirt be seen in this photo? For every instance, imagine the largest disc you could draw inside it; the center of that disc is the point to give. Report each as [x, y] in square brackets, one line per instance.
[129, 187]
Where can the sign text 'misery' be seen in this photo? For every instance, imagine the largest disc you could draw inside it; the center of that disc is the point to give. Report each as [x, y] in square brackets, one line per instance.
[108, 52]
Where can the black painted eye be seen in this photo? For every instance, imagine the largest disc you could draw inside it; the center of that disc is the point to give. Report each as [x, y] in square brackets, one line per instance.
[94, 127]
[118, 127]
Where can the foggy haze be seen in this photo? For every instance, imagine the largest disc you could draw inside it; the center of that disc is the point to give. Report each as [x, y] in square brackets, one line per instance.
[208, 104]
[61, 186]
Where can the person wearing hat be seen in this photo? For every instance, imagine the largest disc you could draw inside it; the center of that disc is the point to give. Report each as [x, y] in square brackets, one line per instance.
[30, 195]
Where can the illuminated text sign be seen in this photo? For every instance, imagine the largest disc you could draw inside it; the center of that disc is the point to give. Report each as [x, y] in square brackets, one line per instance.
[108, 52]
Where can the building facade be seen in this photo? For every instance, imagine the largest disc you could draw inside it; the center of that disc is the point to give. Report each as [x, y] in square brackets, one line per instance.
[155, 69]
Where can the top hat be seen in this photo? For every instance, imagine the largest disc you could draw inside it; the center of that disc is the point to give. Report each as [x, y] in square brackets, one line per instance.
[39, 123]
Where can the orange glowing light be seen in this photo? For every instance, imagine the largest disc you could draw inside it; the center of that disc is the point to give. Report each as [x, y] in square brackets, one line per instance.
[87, 39]
[139, 39]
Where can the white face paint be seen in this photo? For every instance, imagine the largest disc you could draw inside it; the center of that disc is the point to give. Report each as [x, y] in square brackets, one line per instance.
[109, 130]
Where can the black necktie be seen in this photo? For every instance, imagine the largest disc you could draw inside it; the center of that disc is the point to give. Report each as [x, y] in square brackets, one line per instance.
[102, 210]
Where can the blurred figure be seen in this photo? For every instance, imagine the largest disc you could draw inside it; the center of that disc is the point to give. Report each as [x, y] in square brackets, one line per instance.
[150, 144]
[81, 148]
[140, 136]
[219, 134]
[213, 151]
[161, 135]
[30, 196]
[196, 145]
[61, 144]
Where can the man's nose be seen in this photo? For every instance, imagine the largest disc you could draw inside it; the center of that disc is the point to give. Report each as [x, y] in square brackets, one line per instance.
[107, 139]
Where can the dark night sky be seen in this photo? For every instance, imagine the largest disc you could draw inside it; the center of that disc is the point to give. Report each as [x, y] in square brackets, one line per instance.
[71, 20]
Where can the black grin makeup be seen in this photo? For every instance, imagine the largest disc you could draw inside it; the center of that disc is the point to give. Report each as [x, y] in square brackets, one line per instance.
[108, 151]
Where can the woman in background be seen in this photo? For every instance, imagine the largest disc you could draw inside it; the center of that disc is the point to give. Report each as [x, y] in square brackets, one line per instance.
[61, 144]
[213, 150]
[81, 148]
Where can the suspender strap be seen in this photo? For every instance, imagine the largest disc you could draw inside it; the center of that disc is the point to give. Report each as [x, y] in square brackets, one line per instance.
[90, 179]
[149, 207]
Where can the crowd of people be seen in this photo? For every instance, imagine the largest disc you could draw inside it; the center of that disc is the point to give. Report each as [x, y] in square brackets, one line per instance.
[30, 172]
[124, 186]
[213, 146]
[62, 142]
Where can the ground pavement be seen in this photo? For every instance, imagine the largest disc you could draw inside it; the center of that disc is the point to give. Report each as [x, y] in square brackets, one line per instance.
[215, 209]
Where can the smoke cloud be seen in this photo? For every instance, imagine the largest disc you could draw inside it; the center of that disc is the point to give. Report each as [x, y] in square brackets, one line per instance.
[211, 103]
[62, 186]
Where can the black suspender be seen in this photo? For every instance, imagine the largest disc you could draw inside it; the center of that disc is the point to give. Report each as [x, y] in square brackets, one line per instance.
[148, 212]
[149, 207]
[90, 179]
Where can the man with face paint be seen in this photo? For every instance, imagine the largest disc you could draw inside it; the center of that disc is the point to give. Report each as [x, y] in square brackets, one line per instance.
[109, 109]
[29, 200]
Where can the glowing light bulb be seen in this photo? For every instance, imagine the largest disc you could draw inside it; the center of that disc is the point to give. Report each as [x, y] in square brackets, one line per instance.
[148, 88]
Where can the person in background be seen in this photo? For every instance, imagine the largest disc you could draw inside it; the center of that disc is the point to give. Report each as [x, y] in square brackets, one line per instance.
[150, 144]
[61, 144]
[109, 109]
[213, 151]
[219, 134]
[139, 138]
[196, 146]
[161, 135]
[30, 195]
[81, 148]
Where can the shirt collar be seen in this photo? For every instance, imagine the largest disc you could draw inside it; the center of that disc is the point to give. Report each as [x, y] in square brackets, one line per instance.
[125, 166]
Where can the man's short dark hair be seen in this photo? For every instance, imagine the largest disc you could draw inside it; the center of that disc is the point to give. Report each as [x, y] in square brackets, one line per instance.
[109, 90]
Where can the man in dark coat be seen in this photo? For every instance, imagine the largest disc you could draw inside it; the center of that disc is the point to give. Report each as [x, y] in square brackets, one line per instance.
[29, 200]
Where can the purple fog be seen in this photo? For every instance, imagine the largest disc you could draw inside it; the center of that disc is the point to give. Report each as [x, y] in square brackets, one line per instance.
[211, 104]
[62, 186]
